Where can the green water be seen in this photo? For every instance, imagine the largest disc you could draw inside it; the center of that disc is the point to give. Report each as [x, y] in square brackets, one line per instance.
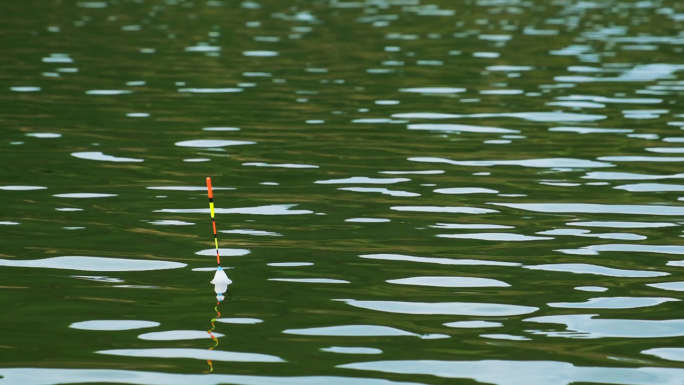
[419, 192]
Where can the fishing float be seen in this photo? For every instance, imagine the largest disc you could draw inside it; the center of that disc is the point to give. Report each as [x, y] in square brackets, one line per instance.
[221, 280]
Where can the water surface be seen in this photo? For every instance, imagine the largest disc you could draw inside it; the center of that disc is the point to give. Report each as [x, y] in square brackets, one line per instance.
[407, 192]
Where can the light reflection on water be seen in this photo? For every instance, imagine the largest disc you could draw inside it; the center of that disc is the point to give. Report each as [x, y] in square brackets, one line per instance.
[475, 174]
[519, 372]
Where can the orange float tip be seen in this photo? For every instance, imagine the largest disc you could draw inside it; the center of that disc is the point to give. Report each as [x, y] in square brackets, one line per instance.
[211, 195]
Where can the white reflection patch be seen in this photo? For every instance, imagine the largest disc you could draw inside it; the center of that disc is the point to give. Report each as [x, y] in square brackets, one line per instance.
[242, 321]
[444, 209]
[348, 350]
[535, 163]
[585, 326]
[93, 264]
[627, 247]
[585, 268]
[367, 220]
[102, 157]
[281, 165]
[259, 210]
[672, 354]
[383, 191]
[22, 188]
[40, 376]
[530, 116]
[260, 53]
[113, 325]
[449, 282]
[465, 190]
[613, 303]
[84, 195]
[434, 90]
[209, 143]
[519, 372]
[595, 208]
[460, 128]
[363, 180]
[187, 188]
[473, 324]
[44, 135]
[673, 286]
[590, 130]
[651, 187]
[623, 225]
[198, 354]
[494, 237]
[210, 90]
[309, 280]
[437, 261]
[257, 233]
[628, 176]
[443, 308]
[178, 335]
[224, 252]
[351, 331]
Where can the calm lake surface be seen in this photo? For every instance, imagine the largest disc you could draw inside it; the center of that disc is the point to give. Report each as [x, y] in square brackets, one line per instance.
[407, 192]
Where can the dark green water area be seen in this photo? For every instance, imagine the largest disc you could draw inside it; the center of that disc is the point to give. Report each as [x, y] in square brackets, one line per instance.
[407, 192]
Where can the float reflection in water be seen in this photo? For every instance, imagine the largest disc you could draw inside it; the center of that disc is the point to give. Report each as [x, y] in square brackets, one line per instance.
[211, 334]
